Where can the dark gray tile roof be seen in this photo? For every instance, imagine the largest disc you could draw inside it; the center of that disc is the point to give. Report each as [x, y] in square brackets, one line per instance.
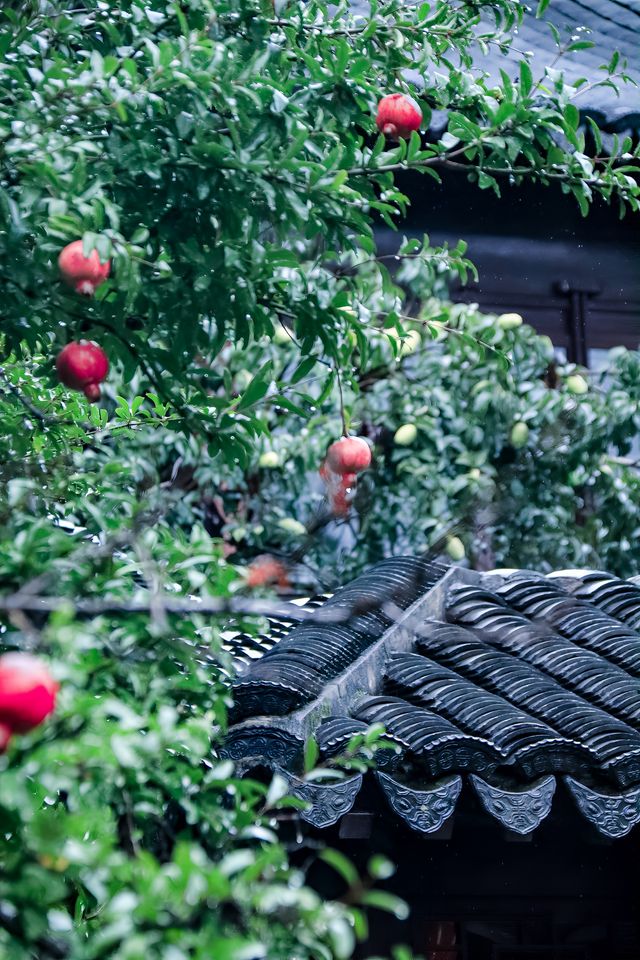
[311, 654]
[511, 683]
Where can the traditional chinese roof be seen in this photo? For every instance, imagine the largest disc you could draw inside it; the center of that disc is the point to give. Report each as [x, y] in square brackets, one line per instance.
[512, 685]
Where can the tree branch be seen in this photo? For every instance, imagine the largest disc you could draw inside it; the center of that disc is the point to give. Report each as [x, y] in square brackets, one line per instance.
[447, 161]
[44, 419]
[242, 606]
[212, 607]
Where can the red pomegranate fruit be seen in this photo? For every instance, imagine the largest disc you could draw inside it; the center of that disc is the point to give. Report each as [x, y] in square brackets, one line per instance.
[341, 503]
[27, 693]
[398, 114]
[349, 479]
[349, 455]
[341, 489]
[82, 273]
[83, 365]
[92, 392]
[265, 571]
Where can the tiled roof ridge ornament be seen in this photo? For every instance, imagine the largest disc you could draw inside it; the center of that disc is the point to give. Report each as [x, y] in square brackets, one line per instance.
[520, 811]
[613, 815]
[422, 810]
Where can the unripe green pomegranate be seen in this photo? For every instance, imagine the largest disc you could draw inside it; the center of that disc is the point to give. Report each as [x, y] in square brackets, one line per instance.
[547, 345]
[405, 435]
[269, 460]
[455, 548]
[577, 384]
[293, 526]
[519, 435]
[509, 321]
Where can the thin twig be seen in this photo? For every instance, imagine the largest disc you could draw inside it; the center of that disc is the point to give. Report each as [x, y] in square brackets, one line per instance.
[211, 607]
[345, 432]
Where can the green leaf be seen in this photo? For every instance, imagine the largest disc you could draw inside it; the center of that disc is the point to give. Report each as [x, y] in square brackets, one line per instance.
[463, 128]
[580, 45]
[342, 865]
[380, 868]
[278, 789]
[526, 78]
[414, 146]
[613, 63]
[258, 388]
[387, 902]
[285, 403]
[571, 116]
[311, 754]
[486, 181]
[303, 368]
[237, 948]
[103, 246]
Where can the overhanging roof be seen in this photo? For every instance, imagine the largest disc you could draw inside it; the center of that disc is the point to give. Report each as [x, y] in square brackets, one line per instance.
[514, 684]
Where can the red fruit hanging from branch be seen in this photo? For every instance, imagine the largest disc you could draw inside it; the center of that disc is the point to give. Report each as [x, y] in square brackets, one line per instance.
[83, 365]
[398, 115]
[349, 455]
[339, 490]
[82, 273]
[267, 571]
[346, 458]
[341, 499]
[27, 694]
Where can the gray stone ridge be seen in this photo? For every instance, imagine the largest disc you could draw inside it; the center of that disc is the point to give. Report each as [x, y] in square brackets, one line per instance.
[512, 684]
